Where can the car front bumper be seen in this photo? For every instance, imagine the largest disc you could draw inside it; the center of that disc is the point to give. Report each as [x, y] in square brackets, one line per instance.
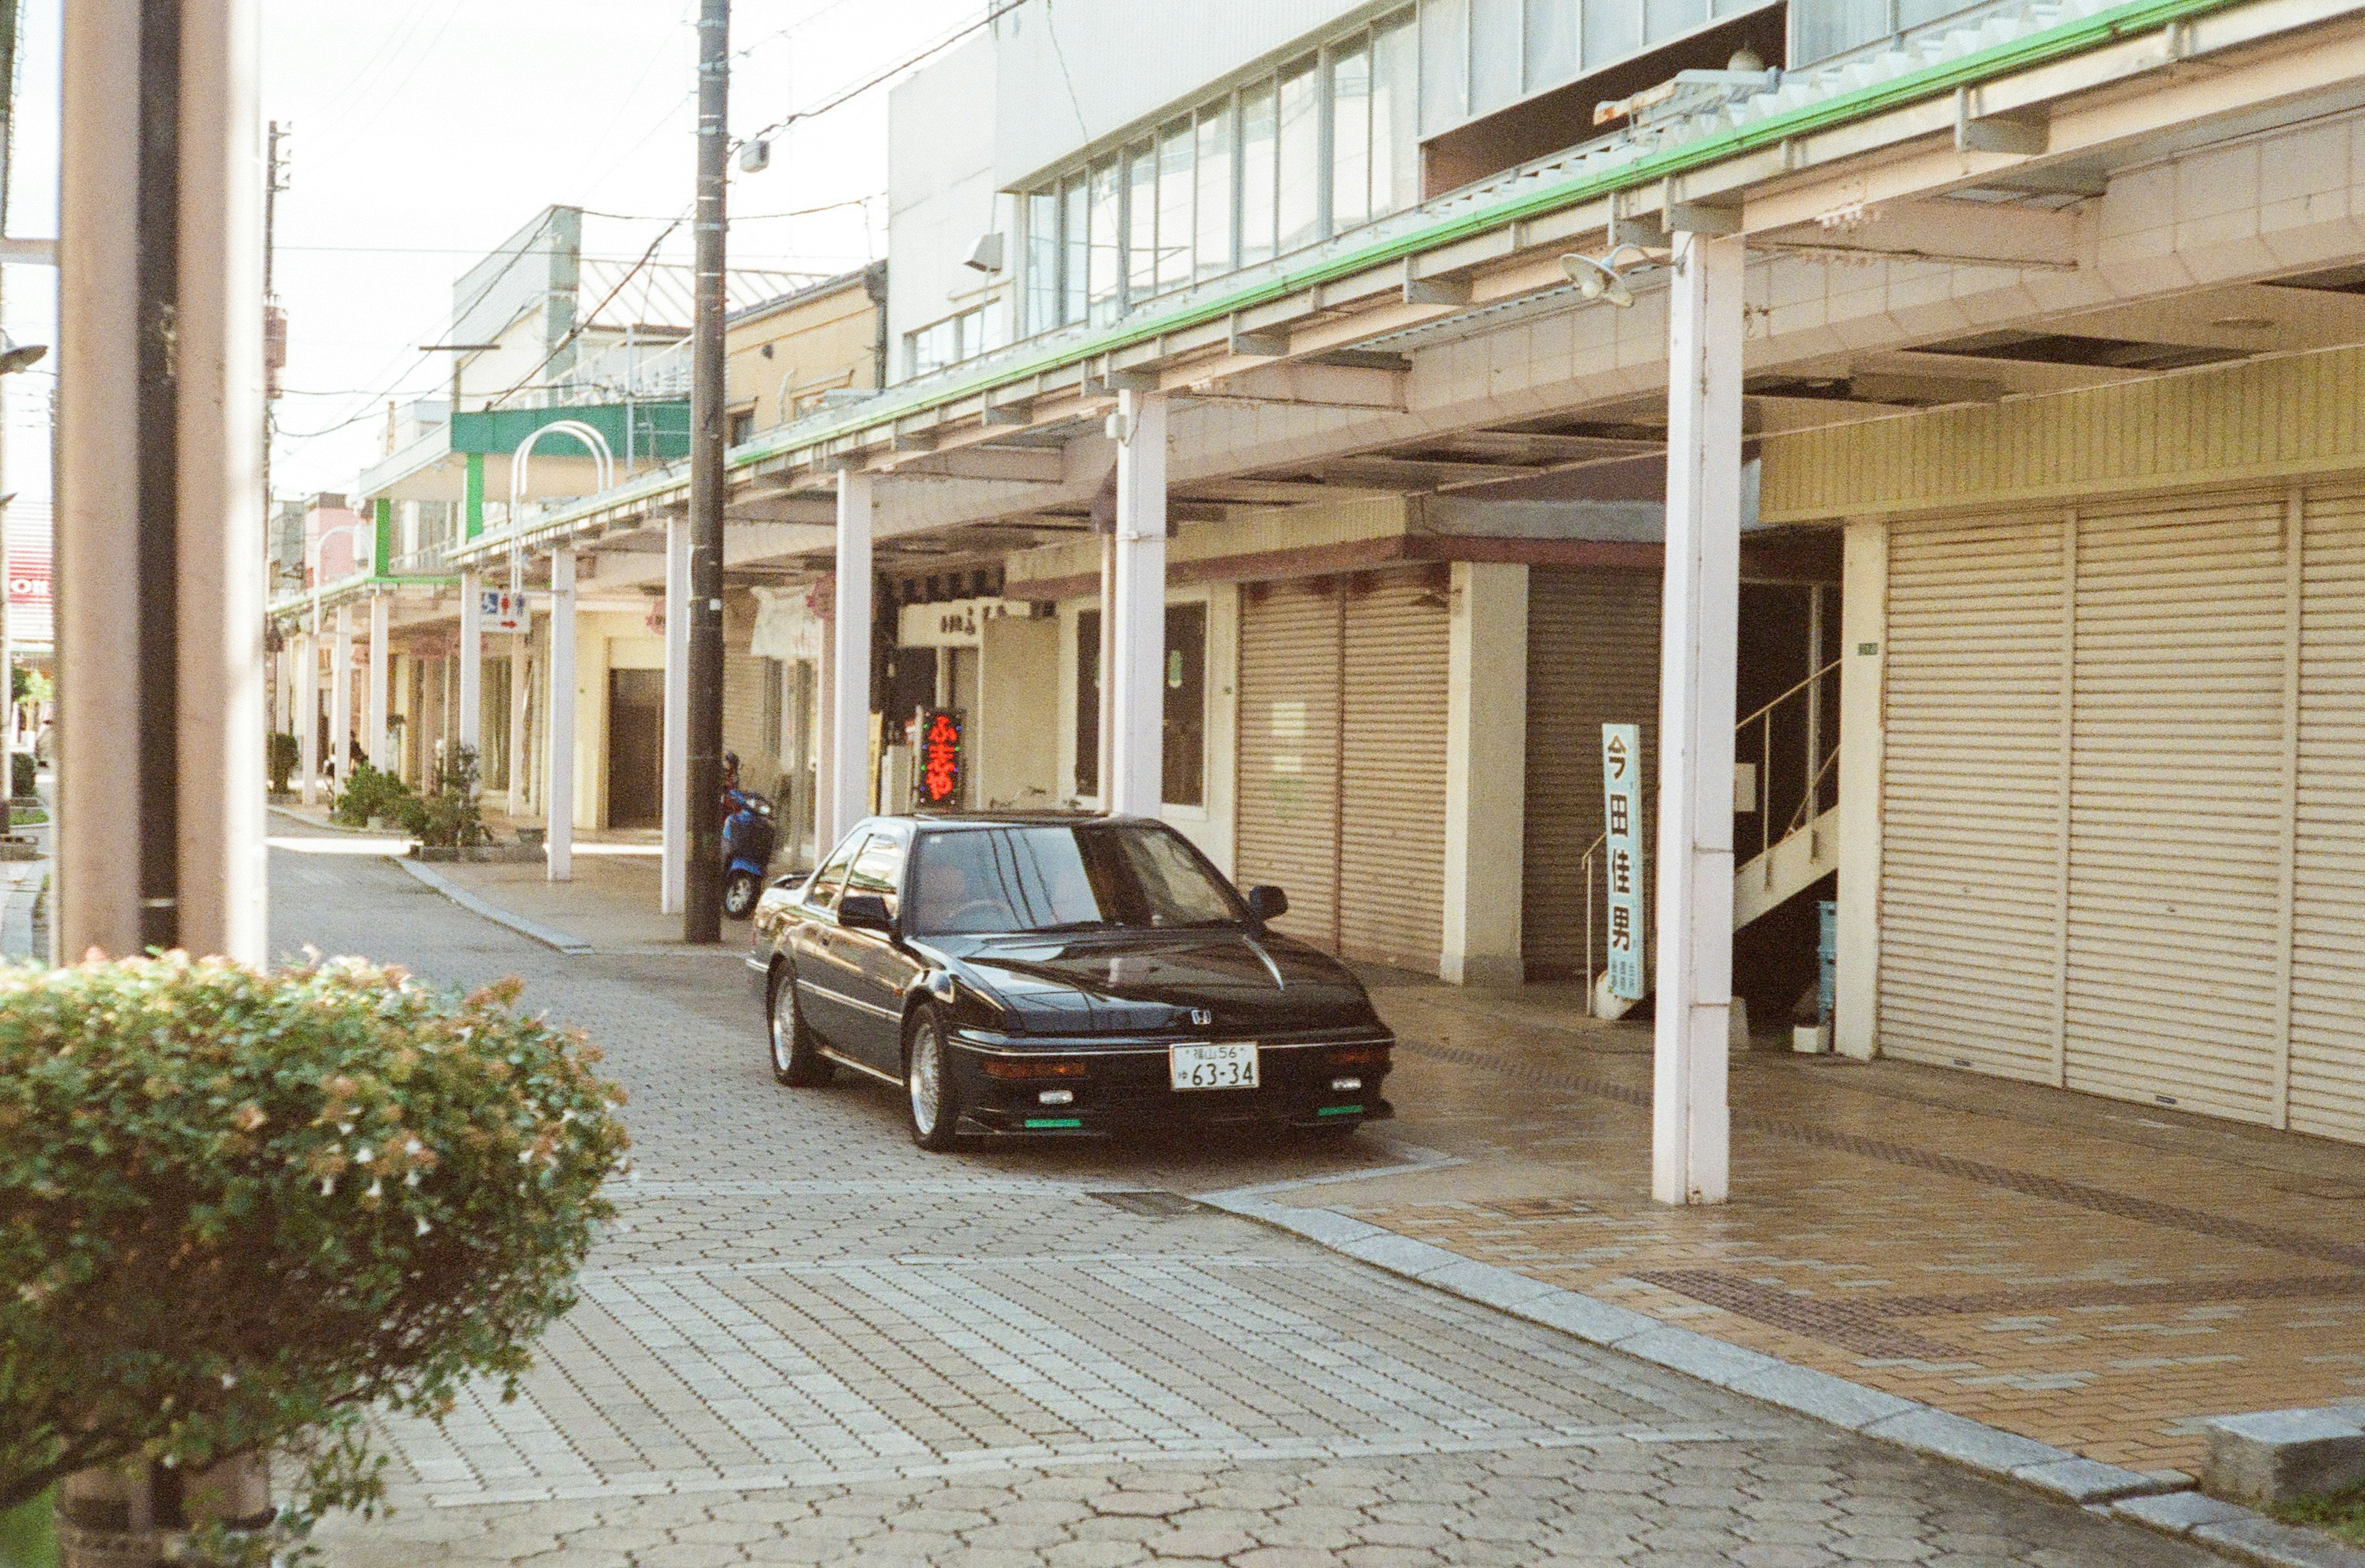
[1112, 1088]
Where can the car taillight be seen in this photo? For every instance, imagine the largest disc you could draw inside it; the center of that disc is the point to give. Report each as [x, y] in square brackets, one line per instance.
[1360, 1056]
[1022, 1068]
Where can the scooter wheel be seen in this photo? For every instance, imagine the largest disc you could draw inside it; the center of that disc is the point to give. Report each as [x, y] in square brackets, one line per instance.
[740, 891]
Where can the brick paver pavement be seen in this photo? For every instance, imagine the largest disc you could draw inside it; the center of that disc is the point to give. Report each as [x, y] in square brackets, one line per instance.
[808, 1342]
[2095, 1275]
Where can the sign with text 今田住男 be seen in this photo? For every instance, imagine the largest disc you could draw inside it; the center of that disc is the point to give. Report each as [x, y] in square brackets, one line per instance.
[1621, 850]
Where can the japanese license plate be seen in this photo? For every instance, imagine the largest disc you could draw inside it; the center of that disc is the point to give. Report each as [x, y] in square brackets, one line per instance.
[1231, 1065]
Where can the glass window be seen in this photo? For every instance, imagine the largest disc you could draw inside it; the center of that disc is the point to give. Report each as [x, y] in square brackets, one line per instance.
[1259, 131]
[1395, 123]
[1076, 245]
[1142, 221]
[823, 888]
[1445, 46]
[1185, 746]
[1553, 56]
[1495, 50]
[1176, 200]
[1612, 29]
[1350, 136]
[1107, 244]
[1298, 188]
[878, 869]
[1088, 703]
[1216, 174]
[1665, 18]
[1052, 878]
[1042, 261]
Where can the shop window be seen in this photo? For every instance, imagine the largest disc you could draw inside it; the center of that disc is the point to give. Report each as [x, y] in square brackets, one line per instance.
[1186, 683]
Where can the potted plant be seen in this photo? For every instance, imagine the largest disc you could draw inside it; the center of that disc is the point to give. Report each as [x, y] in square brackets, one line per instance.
[372, 797]
[281, 761]
[239, 1212]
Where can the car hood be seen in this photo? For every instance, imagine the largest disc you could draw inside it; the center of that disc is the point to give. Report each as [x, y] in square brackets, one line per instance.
[1155, 981]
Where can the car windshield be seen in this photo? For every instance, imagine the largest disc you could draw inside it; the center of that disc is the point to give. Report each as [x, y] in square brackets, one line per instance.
[979, 882]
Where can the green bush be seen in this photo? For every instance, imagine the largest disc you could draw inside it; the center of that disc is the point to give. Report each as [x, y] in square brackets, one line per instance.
[453, 815]
[281, 759]
[20, 774]
[371, 793]
[239, 1211]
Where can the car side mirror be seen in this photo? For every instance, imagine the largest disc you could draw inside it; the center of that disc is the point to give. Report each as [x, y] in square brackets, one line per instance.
[864, 912]
[1268, 903]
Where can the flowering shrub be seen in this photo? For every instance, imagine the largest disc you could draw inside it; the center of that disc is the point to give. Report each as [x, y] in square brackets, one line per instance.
[238, 1211]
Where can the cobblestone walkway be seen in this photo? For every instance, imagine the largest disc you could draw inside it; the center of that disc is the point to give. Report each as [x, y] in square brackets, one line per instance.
[808, 1342]
[2095, 1275]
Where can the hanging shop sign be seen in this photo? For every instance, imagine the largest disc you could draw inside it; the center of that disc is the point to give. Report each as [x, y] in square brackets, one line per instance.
[499, 609]
[941, 758]
[1621, 846]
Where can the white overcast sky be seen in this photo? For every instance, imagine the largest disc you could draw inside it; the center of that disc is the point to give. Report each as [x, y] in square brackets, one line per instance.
[424, 132]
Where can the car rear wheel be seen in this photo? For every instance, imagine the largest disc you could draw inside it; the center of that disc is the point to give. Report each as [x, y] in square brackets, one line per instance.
[930, 1099]
[796, 1061]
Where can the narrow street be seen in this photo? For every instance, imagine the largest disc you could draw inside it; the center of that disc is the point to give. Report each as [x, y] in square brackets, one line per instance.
[809, 1343]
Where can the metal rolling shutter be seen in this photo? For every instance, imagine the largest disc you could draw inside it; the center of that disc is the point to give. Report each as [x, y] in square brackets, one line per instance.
[2327, 1003]
[1392, 853]
[1288, 788]
[2176, 790]
[1971, 866]
[1593, 659]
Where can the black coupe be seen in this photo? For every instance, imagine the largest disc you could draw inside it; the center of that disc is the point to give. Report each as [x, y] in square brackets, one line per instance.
[1058, 975]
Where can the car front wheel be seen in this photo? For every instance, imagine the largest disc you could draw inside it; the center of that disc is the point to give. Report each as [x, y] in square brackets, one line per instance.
[796, 1061]
[930, 1099]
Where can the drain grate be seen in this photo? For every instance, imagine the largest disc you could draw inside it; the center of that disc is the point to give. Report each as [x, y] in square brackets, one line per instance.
[1156, 1203]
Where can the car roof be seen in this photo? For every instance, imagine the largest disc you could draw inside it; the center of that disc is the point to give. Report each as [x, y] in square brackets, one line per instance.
[936, 821]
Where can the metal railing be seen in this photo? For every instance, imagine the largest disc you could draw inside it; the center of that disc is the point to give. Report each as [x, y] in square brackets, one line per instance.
[1809, 750]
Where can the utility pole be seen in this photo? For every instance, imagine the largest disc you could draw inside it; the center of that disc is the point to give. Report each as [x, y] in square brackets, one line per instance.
[160, 612]
[702, 914]
[275, 320]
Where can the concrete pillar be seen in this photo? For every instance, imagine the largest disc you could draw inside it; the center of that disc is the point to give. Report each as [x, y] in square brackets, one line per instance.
[472, 663]
[308, 707]
[825, 748]
[1485, 775]
[673, 872]
[1137, 676]
[1691, 1130]
[1103, 662]
[341, 696]
[381, 669]
[558, 786]
[847, 757]
[521, 797]
[1864, 645]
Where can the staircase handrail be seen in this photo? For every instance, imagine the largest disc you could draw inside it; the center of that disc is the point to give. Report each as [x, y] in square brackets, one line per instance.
[1763, 806]
[1793, 691]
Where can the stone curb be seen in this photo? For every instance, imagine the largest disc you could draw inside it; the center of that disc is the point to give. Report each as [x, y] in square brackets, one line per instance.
[558, 940]
[2170, 1507]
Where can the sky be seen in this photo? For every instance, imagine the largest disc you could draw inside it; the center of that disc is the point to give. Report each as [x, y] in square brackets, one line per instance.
[422, 133]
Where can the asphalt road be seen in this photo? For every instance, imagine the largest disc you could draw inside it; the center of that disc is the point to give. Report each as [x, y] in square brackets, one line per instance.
[807, 1341]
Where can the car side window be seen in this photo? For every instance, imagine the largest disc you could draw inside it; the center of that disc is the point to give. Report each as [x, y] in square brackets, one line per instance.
[878, 869]
[832, 875]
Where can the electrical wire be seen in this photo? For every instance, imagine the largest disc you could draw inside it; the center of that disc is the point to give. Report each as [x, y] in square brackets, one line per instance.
[585, 320]
[888, 74]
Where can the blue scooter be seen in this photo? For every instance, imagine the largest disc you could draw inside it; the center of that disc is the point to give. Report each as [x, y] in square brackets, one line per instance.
[748, 839]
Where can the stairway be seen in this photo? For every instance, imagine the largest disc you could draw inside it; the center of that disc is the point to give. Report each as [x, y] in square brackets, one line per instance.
[1789, 868]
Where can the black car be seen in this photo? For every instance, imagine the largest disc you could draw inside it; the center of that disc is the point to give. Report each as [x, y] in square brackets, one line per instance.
[1058, 975]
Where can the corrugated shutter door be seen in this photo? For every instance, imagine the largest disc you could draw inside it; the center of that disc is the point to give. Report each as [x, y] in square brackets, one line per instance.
[1970, 875]
[1593, 659]
[1392, 860]
[1288, 833]
[2327, 1033]
[2176, 791]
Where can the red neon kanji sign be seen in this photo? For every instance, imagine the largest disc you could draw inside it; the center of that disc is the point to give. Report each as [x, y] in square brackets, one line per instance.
[940, 758]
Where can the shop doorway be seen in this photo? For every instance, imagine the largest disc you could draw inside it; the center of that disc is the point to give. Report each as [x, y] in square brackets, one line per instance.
[636, 748]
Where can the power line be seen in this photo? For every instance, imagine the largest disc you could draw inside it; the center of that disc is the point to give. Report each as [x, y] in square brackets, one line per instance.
[892, 72]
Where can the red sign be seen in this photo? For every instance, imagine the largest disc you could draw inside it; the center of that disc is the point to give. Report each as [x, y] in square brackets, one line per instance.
[940, 758]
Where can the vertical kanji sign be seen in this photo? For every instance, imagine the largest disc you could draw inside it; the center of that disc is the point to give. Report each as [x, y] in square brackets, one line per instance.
[1621, 848]
[940, 758]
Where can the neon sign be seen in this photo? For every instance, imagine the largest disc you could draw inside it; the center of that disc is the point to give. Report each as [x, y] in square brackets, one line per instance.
[940, 758]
